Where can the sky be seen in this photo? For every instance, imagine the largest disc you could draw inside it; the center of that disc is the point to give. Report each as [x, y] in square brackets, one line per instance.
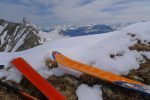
[75, 12]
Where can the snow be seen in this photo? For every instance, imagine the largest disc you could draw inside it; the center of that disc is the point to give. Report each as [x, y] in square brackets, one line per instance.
[2, 27]
[15, 33]
[147, 54]
[20, 42]
[94, 50]
[50, 36]
[3, 37]
[10, 75]
[85, 92]
[90, 49]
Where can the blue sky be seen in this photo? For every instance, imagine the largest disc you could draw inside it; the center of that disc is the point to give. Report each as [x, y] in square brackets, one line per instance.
[75, 12]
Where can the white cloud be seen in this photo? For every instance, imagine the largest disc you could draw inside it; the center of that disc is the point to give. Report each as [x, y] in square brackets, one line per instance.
[74, 12]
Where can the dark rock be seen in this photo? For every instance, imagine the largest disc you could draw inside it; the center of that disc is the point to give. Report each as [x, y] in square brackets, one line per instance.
[67, 85]
[2, 66]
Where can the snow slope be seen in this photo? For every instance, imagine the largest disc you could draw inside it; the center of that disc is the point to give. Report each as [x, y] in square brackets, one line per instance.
[49, 36]
[91, 49]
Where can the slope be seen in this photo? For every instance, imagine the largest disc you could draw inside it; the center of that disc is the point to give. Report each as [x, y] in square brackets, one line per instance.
[109, 51]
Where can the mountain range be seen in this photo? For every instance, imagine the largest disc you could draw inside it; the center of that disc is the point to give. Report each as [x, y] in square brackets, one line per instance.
[21, 36]
[81, 30]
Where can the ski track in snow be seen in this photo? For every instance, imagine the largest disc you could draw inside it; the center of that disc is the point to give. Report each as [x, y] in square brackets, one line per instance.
[90, 49]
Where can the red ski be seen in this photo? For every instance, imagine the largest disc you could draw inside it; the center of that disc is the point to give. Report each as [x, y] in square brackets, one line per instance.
[37, 80]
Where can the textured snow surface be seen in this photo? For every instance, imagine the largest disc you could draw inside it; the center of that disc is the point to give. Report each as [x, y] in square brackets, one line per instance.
[85, 92]
[90, 49]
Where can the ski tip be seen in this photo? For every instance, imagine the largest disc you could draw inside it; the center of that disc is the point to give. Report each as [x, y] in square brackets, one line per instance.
[144, 89]
[16, 60]
[54, 53]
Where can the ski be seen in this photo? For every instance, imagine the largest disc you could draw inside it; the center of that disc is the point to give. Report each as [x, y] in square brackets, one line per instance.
[101, 74]
[37, 80]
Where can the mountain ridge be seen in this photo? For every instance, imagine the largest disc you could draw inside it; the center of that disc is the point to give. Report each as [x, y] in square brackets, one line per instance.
[17, 36]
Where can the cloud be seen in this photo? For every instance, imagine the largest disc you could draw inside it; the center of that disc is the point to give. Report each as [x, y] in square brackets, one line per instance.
[56, 12]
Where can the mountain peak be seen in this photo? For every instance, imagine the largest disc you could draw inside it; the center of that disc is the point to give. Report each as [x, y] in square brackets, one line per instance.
[18, 36]
[25, 21]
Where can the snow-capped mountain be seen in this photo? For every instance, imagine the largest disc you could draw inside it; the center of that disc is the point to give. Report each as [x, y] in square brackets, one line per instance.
[17, 36]
[73, 30]
[22, 36]
[68, 30]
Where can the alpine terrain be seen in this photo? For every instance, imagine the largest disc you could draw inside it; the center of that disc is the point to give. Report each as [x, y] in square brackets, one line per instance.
[124, 52]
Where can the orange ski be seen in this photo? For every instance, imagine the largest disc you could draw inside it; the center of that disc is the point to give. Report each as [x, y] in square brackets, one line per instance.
[37, 80]
[99, 73]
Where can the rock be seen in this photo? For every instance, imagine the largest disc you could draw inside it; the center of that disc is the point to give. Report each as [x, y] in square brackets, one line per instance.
[89, 80]
[50, 63]
[6, 94]
[118, 93]
[67, 85]
[140, 47]
[28, 87]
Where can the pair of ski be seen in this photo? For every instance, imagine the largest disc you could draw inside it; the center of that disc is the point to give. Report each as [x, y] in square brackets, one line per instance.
[51, 93]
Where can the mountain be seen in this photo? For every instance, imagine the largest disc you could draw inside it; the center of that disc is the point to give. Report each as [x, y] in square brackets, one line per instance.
[17, 36]
[72, 31]
[123, 52]
[86, 30]
[21, 36]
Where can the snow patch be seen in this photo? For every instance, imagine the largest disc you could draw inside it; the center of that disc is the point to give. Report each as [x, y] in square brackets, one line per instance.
[85, 92]
[2, 38]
